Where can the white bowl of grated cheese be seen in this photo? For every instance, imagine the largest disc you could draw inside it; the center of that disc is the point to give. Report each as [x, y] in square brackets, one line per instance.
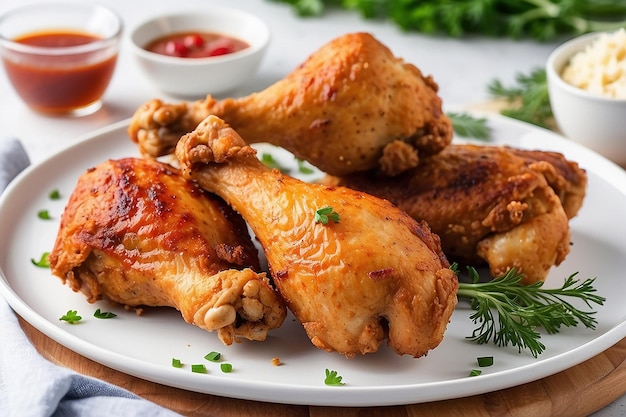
[587, 88]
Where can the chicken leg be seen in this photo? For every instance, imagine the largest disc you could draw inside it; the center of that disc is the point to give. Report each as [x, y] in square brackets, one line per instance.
[137, 233]
[351, 106]
[372, 274]
[502, 206]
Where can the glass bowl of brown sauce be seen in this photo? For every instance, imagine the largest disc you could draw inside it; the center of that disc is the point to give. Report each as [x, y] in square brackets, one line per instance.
[60, 56]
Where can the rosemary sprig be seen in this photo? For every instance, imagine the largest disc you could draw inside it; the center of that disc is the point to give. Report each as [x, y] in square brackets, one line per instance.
[468, 126]
[509, 313]
[527, 98]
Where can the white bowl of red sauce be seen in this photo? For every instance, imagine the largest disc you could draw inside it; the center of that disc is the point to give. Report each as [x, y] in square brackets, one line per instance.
[192, 54]
[60, 56]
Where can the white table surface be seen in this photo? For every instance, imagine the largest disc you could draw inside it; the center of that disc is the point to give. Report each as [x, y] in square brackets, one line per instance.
[461, 67]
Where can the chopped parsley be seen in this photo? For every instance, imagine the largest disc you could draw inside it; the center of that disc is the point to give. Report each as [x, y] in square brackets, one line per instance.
[332, 378]
[269, 161]
[44, 215]
[71, 317]
[54, 194]
[326, 214]
[226, 368]
[104, 314]
[43, 261]
[485, 361]
[213, 356]
[198, 368]
[475, 372]
[176, 363]
[302, 168]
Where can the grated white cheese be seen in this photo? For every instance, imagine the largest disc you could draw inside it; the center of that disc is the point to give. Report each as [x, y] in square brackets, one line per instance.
[601, 67]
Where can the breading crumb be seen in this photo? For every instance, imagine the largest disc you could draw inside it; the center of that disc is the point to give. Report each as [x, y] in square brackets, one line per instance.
[138, 310]
[276, 362]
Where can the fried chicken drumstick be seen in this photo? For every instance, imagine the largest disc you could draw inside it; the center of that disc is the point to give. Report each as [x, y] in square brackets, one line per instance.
[375, 274]
[350, 107]
[136, 232]
[503, 206]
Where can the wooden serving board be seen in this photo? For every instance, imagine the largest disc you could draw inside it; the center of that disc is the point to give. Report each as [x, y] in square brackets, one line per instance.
[577, 391]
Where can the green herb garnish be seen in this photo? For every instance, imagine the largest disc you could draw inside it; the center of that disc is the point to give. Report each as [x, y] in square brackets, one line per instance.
[509, 313]
[302, 168]
[484, 361]
[332, 378]
[475, 372]
[226, 368]
[468, 126]
[528, 99]
[325, 214]
[104, 314]
[54, 194]
[71, 317]
[213, 356]
[43, 215]
[198, 368]
[43, 261]
[269, 161]
[537, 19]
[176, 363]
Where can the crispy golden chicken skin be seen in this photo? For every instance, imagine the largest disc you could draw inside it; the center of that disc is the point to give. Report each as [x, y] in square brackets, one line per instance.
[351, 106]
[565, 177]
[374, 274]
[136, 232]
[498, 205]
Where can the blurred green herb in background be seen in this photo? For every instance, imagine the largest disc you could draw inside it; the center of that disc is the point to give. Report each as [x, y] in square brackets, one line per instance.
[468, 126]
[541, 20]
[527, 100]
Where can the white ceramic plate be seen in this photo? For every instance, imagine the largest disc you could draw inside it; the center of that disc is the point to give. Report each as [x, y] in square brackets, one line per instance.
[144, 346]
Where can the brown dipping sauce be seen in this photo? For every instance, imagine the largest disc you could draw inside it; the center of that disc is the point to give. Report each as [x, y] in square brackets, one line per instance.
[196, 45]
[60, 84]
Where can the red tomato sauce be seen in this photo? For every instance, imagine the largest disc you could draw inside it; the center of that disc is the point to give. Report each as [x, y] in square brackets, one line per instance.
[196, 45]
[59, 84]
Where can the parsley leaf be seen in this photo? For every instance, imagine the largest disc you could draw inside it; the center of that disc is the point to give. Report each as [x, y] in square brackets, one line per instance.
[213, 356]
[484, 361]
[302, 168]
[71, 317]
[104, 314]
[269, 161]
[326, 214]
[198, 368]
[43, 261]
[332, 378]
